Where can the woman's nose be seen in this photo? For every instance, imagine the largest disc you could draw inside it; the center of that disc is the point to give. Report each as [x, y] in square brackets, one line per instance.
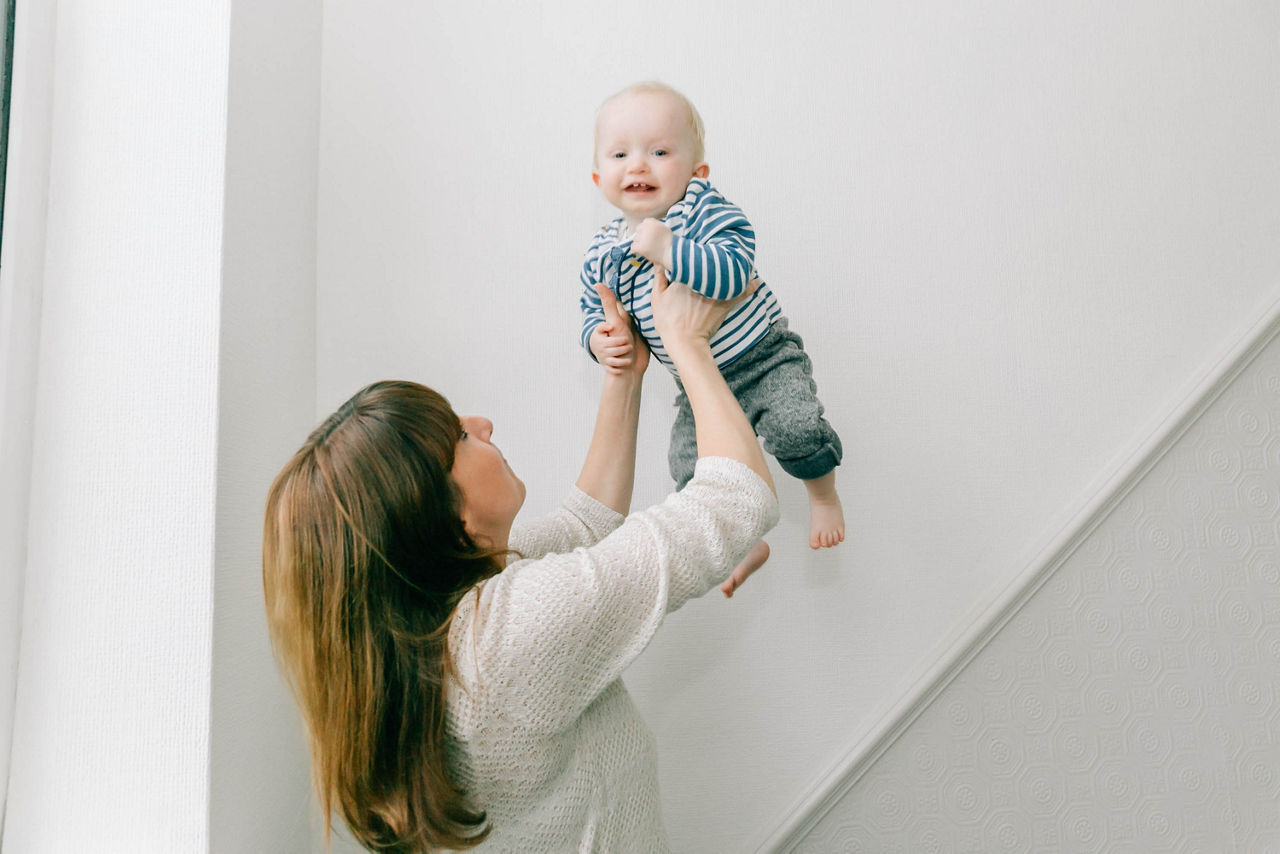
[481, 428]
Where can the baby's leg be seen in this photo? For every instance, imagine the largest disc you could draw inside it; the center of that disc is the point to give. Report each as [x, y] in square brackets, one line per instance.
[781, 398]
[682, 453]
[826, 516]
[754, 560]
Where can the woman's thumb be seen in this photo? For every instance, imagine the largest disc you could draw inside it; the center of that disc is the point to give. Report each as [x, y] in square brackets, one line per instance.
[609, 304]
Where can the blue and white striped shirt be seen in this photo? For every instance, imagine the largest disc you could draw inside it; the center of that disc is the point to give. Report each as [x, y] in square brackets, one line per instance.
[713, 252]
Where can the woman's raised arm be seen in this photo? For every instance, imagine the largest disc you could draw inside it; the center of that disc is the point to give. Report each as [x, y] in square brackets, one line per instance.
[609, 471]
[686, 322]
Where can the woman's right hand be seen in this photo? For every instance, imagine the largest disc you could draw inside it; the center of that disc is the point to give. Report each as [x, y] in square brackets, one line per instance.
[684, 317]
[686, 321]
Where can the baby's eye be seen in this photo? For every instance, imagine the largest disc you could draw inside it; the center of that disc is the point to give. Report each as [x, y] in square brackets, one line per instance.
[661, 152]
[618, 155]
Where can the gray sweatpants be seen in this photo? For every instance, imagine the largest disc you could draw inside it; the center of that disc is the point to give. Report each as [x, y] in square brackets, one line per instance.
[773, 382]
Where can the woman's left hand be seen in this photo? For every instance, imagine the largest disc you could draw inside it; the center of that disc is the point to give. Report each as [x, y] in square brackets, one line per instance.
[609, 471]
[619, 324]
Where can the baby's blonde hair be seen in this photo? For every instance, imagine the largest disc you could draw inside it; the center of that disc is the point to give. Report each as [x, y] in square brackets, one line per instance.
[654, 86]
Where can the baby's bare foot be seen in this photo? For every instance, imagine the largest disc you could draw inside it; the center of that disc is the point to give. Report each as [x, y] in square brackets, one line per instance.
[754, 560]
[826, 516]
[826, 524]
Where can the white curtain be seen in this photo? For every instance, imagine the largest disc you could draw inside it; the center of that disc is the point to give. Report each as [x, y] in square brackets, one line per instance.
[21, 275]
[109, 321]
[156, 368]
[17, 385]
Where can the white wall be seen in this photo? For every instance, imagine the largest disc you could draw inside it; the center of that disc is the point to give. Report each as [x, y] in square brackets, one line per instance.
[1012, 236]
[111, 727]
[259, 771]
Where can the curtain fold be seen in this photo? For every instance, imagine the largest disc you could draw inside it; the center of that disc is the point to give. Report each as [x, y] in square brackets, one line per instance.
[17, 311]
[26, 164]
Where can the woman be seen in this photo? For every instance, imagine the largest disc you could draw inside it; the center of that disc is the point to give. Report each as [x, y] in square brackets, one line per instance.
[460, 679]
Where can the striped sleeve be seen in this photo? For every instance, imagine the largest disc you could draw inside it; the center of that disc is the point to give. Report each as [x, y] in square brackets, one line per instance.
[715, 253]
[589, 301]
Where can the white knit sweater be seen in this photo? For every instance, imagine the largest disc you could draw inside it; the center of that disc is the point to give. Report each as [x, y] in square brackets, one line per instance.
[545, 737]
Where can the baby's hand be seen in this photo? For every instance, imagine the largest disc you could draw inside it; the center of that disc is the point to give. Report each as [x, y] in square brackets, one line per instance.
[612, 351]
[653, 241]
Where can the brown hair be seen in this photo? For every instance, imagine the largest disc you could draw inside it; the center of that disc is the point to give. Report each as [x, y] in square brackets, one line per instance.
[364, 560]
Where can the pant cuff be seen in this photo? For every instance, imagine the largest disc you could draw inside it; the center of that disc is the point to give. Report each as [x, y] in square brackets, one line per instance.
[820, 462]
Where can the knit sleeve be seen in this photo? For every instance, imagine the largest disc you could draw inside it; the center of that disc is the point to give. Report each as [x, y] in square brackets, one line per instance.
[580, 521]
[555, 632]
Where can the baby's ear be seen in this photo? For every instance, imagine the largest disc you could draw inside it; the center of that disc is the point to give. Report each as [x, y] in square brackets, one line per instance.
[595, 178]
[702, 170]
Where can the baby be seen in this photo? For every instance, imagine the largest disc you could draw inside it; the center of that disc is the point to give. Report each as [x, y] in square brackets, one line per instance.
[649, 165]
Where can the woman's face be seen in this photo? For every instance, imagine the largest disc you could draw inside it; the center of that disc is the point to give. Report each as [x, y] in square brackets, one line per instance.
[491, 492]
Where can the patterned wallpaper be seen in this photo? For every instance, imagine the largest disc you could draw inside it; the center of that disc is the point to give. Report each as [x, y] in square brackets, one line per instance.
[1133, 703]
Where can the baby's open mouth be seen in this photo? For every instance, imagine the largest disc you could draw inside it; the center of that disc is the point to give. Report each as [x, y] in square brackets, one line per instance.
[638, 188]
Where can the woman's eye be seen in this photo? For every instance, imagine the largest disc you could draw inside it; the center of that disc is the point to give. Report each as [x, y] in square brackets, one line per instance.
[463, 436]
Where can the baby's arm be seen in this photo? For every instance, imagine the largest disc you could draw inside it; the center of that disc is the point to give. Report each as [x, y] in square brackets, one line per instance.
[717, 256]
[589, 302]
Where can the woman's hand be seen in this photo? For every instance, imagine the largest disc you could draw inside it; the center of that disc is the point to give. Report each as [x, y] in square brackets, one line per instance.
[684, 317]
[621, 348]
[686, 321]
[613, 352]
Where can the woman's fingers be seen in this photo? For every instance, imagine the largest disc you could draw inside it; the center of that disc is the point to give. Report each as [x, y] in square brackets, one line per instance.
[615, 345]
[659, 278]
[678, 310]
[617, 351]
[746, 292]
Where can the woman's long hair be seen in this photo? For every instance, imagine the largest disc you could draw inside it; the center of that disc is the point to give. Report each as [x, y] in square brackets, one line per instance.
[364, 560]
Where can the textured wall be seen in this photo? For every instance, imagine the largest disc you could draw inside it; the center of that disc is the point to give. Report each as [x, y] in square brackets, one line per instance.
[1133, 703]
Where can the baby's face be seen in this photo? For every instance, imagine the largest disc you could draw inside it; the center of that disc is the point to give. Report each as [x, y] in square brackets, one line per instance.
[644, 154]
